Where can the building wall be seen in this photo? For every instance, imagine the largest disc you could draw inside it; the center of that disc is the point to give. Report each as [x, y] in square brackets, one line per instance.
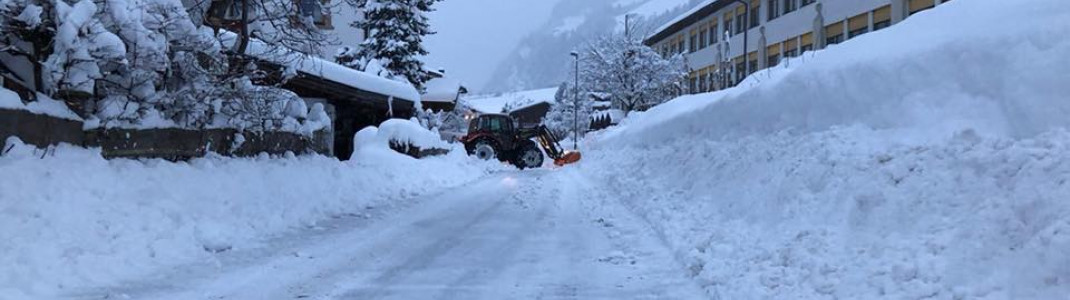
[788, 34]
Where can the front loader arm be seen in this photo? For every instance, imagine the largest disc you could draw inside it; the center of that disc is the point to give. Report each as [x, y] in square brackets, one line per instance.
[548, 141]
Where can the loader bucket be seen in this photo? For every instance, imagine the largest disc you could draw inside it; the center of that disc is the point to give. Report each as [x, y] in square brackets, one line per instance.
[567, 158]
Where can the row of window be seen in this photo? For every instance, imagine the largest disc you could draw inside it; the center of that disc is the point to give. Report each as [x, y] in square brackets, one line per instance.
[779, 8]
[733, 24]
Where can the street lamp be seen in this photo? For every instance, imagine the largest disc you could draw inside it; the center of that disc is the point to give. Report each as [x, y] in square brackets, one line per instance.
[576, 103]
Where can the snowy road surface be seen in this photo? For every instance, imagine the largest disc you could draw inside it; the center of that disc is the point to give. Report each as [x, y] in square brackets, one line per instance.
[511, 236]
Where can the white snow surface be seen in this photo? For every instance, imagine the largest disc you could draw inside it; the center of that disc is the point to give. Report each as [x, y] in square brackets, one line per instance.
[920, 161]
[43, 106]
[495, 104]
[70, 219]
[444, 89]
[398, 130]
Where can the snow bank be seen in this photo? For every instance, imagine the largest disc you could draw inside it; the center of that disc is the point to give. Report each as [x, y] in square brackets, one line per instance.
[73, 219]
[397, 130]
[922, 161]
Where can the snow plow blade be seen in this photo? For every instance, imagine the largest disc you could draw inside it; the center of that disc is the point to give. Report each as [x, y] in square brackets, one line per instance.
[568, 157]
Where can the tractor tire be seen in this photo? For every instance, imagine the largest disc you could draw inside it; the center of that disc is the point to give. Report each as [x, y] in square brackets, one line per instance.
[528, 156]
[484, 150]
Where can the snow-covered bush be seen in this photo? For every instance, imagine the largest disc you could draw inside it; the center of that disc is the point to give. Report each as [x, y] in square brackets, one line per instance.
[569, 114]
[635, 76]
[397, 132]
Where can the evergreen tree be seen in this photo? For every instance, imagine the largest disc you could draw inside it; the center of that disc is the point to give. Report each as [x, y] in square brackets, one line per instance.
[395, 34]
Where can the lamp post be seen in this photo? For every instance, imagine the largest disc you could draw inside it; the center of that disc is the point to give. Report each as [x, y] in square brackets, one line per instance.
[746, 29]
[576, 103]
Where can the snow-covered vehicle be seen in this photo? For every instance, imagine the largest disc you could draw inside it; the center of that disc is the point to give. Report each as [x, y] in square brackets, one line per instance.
[498, 136]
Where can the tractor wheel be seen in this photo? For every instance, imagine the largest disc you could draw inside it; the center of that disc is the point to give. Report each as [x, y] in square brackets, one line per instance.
[528, 156]
[485, 150]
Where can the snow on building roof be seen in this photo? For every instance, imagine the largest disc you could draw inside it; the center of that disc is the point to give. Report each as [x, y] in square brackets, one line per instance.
[704, 9]
[329, 70]
[514, 100]
[442, 89]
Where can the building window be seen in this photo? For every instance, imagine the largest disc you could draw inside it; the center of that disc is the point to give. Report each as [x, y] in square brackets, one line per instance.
[773, 9]
[805, 48]
[728, 25]
[713, 33]
[835, 39]
[773, 60]
[857, 32]
[740, 69]
[753, 66]
[702, 83]
[882, 25]
[694, 43]
[807, 2]
[917, 6]
[694, 85]
[702, 39]
[740, 26]
[754, 18]
[790, 53]
[789, 6]
[680, 47]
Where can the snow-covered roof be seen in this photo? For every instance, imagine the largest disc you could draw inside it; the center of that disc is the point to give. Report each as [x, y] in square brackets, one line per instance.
[326, 69]
[442, 89]
[516, 100]
[702, 10]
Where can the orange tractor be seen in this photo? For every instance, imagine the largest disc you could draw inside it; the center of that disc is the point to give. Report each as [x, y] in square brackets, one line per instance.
[496, 136]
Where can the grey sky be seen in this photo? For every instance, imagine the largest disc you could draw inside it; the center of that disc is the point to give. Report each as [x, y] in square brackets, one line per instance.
[474, 36]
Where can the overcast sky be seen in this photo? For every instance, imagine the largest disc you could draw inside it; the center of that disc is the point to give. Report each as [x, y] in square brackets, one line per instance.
[474, 36]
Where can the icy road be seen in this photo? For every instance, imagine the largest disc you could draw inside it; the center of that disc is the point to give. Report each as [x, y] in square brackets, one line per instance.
[517, 235]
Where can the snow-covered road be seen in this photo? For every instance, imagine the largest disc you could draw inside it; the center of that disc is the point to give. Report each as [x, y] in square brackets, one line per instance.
[517, 235]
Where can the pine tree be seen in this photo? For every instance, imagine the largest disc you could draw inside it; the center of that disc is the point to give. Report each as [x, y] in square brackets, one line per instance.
[395, 34]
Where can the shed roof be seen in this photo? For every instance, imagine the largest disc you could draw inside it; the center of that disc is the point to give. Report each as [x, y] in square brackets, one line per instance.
[515, 100]
[318, 67]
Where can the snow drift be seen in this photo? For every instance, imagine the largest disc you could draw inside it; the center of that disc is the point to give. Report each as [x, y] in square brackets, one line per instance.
[927, 160]
[71, 219]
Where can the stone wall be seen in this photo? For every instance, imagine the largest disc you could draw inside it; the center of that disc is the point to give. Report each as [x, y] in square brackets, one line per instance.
[166, 143]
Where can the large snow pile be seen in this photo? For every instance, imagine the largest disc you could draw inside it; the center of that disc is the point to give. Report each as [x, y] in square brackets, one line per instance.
[927, 160]
[72, 219]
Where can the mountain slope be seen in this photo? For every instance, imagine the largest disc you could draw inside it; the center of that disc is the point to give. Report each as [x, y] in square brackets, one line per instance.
[542, 58]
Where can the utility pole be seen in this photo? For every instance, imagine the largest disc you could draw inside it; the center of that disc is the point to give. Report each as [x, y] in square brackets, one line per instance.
[576, 104]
